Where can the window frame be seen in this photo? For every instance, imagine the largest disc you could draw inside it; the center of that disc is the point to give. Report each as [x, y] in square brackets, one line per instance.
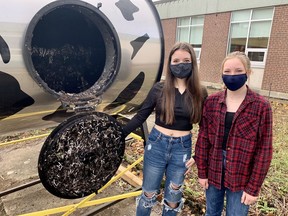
[247, 50]
[190, 26]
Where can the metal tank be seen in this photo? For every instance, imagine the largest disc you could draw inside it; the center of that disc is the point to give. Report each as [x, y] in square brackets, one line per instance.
[62, 56]
[77, 63]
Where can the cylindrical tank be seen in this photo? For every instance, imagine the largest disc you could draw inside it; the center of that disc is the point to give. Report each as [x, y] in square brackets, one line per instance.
[75, 55]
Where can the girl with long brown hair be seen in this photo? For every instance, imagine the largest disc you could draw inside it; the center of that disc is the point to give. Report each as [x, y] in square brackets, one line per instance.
[178, 105]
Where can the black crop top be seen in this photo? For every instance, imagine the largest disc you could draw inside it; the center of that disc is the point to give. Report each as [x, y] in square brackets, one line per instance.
[228, 123]
[153, 100]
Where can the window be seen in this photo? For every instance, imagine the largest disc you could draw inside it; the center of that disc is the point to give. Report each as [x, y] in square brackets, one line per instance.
[190, 29]
[250, 32]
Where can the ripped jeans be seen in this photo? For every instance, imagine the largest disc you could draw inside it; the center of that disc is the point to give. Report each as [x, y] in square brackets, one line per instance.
[163, 155]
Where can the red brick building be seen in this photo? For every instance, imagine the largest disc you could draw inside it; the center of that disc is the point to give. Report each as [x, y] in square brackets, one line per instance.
[215, 28]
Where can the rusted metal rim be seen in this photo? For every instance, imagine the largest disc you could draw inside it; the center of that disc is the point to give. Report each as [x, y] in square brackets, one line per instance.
[72, 48]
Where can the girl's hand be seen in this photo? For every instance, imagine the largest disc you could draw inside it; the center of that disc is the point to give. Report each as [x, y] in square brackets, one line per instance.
[247, 199]
[204, 183]
[189, 165]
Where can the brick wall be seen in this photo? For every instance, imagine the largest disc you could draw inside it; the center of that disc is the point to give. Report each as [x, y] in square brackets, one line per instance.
[276, 69]
[169, 30]
[215, 41]
[214, 46]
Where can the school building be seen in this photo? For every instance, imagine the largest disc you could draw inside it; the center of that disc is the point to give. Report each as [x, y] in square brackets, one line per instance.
[217, 27]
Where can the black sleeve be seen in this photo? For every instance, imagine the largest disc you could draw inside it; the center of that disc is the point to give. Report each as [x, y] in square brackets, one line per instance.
[144, 112]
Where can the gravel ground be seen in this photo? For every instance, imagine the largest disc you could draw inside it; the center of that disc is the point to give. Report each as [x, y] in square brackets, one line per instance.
[19, 166]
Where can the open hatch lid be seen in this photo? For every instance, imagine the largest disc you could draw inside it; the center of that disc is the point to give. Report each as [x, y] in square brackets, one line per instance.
[81, 155]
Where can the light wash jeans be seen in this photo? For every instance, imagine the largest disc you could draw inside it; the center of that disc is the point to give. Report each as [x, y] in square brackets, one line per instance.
[163, 155]
[215, 200]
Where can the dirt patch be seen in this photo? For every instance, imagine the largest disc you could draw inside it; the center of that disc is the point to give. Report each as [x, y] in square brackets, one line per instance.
[19, 166]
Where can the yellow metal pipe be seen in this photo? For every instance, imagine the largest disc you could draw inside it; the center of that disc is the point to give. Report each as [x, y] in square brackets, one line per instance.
[15, 116]
[27, 115]
[84, 202]
[24, 139]
[135, 136]
[110, 199]
[87, 204]
[74, 208]
[120, 174]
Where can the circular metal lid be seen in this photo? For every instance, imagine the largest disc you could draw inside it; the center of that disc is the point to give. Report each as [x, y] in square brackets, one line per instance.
[81, 155]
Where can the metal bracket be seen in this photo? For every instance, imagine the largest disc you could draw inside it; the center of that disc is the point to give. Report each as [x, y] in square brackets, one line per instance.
[80, 103]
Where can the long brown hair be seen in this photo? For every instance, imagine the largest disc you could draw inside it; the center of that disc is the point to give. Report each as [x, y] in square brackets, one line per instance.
[194, 91]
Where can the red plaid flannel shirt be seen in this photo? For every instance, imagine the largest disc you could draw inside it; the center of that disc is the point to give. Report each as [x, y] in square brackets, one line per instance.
[249, 144]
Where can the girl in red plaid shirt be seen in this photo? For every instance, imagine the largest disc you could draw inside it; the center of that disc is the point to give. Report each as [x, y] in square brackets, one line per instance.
[234, 146]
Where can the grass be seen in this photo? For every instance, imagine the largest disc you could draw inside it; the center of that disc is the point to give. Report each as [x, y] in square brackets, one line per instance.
[273, 198]
[274, 195]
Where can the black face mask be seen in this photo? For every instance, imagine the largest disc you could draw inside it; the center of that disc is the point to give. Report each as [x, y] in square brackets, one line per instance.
[234, 82]
[182, 70]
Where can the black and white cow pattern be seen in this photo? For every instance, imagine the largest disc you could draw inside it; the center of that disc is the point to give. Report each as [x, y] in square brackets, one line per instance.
[80, 157]
[12, 98]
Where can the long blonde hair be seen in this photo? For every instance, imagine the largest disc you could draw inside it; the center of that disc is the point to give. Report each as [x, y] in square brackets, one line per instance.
[242, 57]
[194, 91]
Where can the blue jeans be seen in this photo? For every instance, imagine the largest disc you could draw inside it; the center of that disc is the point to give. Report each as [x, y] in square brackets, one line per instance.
[163, 155]
[215, 199]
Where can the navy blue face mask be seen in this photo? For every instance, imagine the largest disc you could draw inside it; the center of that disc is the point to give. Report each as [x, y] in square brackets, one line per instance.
[182, 70]
[234, 82]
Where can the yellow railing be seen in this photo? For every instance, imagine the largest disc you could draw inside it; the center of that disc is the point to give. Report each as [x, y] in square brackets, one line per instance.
[69, 209]
[86, 202]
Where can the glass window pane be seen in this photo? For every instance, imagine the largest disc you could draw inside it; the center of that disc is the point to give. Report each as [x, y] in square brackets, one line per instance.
[237, 44]
[198, 20]
[259, 34]
[260, 29]
[184, 21]
[238, 35]
[243, 15]
[196, 35]
[197, 53]
[190, 33]
[263, 13]
[183, 34]
[196, 45]
[256, 56]
[239, 30]
[260, 42]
